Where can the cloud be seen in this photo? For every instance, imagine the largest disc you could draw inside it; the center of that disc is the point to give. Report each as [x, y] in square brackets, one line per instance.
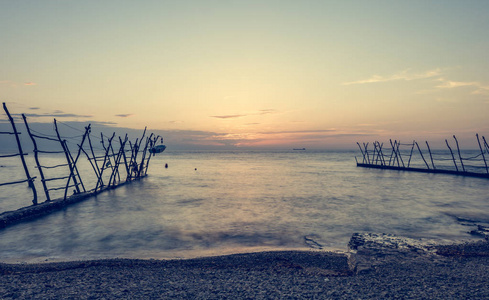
[34, 108]
[14, 84]
[55, 115]
[256, 113]
[267, 111]
[405, 75]
[124, 115]
[448, 84]
[298, 131]
[228, 116]
[480, 89]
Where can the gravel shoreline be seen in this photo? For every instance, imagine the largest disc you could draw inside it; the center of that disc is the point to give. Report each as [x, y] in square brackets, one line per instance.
[369, 271]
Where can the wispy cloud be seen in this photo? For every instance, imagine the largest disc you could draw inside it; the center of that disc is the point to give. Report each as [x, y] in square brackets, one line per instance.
[14, 84]
[406, 75]
[479, 88]
[228, 116]
[55, 115]
[124, 115]
[298, 131]
[256, 113]
[267, 111]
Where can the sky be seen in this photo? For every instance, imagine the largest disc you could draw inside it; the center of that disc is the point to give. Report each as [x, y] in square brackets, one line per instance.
[252, 74]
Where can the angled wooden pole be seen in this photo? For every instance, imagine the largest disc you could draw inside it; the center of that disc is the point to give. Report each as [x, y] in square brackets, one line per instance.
[421, 153]
[399, 153]
[365, 146]
[411, 154]
[459, 155]
[21, 154]
[453, 157]
[36, 158]
[482, 152]
[68, 160]
[431, 156]
[363, 154]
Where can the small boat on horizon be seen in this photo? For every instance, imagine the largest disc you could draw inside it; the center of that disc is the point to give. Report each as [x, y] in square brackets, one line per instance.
[157, 149]
[299, 149]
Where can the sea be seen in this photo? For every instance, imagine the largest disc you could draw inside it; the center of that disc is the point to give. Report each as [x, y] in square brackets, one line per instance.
[203, 203]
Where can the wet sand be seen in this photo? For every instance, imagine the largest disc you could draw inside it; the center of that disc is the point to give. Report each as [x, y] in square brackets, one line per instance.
[367, 272]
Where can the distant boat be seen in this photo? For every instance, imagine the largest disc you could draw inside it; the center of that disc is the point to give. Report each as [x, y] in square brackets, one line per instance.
[299, 149]
[157, 149]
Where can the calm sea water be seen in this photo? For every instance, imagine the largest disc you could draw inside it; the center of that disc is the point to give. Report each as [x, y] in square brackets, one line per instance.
[208, 203]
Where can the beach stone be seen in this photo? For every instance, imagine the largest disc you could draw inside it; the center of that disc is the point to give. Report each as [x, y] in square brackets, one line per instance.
[366, 250]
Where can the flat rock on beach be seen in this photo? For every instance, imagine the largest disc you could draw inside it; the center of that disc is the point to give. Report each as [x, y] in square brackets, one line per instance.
[371, 270]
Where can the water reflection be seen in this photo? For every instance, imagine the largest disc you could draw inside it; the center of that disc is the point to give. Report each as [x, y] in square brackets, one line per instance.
[245, 201]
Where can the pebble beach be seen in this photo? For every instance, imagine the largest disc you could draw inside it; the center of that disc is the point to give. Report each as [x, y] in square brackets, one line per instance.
[366, 272]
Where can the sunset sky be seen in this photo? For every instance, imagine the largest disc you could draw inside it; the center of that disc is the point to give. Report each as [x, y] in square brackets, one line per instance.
[316, 74]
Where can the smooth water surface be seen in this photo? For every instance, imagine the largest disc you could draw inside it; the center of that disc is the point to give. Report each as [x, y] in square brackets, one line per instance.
[222, 202]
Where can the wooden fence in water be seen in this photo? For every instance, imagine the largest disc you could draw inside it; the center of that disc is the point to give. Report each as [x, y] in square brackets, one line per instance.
[400, 157]
[118, 162]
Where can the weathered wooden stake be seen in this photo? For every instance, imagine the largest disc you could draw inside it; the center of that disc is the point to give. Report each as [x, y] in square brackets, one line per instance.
[411, 154]
[70, 163]
[365, 146]
[21, 154]
[421, 153]
[399, 152]
[459, 155]
[36, 158]
[453, 157]
[363, 154]
[482, 152]
[431, 156]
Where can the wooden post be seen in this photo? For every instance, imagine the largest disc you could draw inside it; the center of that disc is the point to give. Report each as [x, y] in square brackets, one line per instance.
[21, 154]
[392, 153]
[152, 144]
[105, 158]
[482, 152]
[366, 152]
[124, 156]
[421, 153]
[453, 157]
[400, 156]
[36, 158]
[382, 159]
[431, 156]
[459, 155]
[94, 159]
[411, 154]
[485, 143]
[80, 148]
[374, 156]
[363, 154]
[68, 160]
[145, 151]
